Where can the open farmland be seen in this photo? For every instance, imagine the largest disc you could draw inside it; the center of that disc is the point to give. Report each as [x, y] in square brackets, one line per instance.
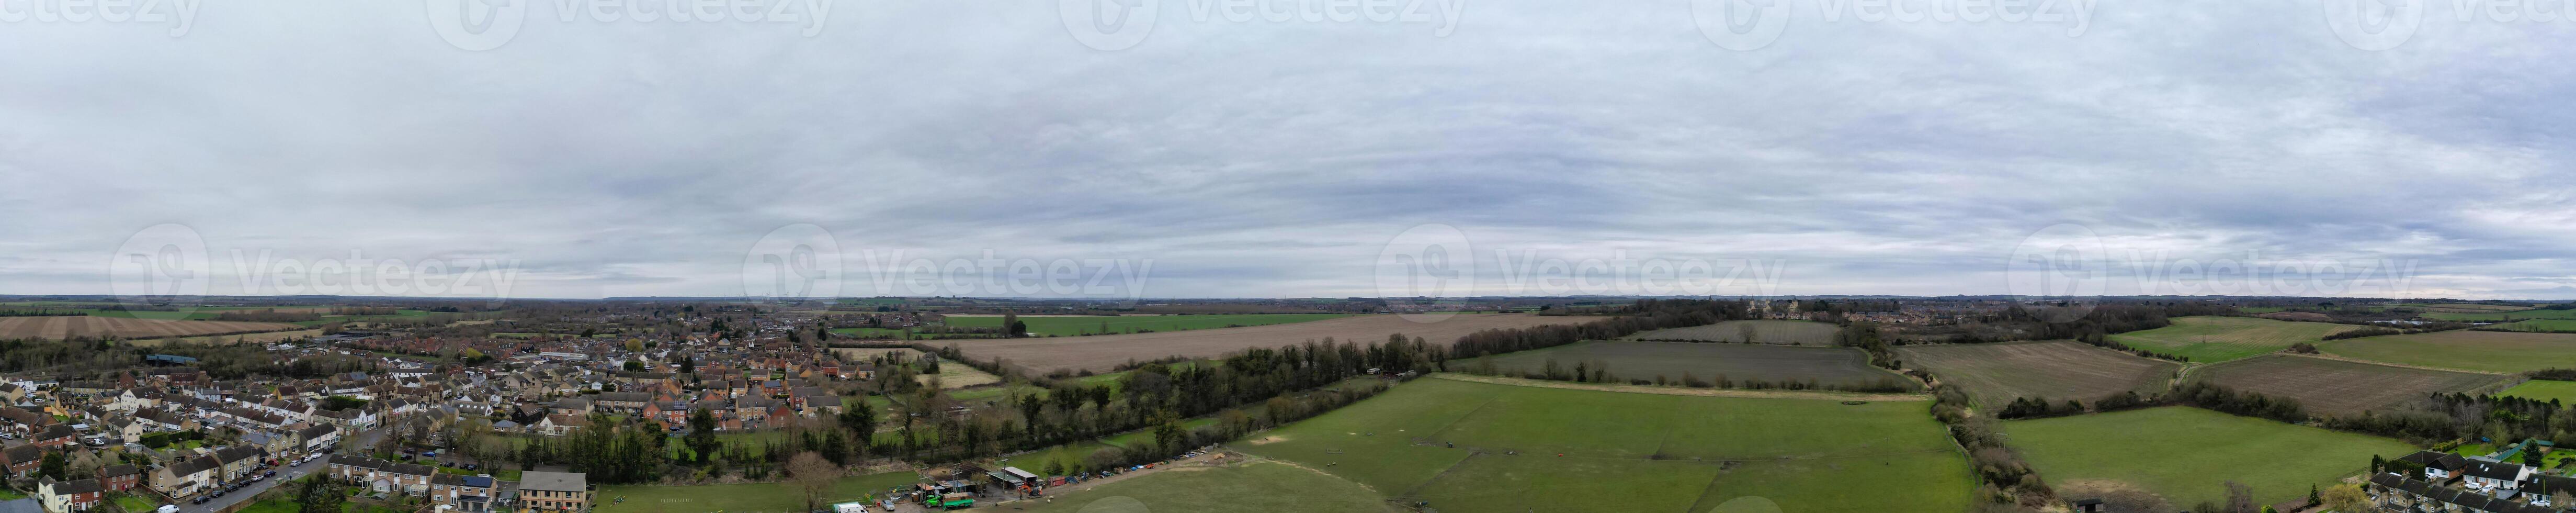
[1806, 333]
[1628, 360]
[2217, 339]
[2544, 390]
[1245, 487]
[2493, 316]
[1077, 325]
[122, 327]
[2184, 453]
[1995, 374]
[2538, 326]
[1492, 447]
[2484, 351]
[1101, 353]
[2337, 386]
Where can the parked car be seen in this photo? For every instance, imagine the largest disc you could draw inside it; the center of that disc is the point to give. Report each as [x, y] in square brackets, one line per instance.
[167, 508]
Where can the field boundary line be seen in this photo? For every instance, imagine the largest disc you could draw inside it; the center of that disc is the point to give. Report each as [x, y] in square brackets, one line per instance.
[1700, 392]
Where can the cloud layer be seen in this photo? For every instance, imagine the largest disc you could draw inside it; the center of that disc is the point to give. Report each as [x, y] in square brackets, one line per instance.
[1268, 158]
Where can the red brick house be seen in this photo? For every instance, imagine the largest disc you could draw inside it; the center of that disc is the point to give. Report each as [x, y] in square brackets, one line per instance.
[120, 477]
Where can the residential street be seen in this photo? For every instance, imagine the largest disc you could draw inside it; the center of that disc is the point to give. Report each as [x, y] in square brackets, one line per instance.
[366, 439]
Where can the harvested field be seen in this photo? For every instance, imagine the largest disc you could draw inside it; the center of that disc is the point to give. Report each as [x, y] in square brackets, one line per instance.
[1834, 367]
[2209, 339]
[2483, 351]
[1102, 353]
[1995, 374]
[96, 326]
[2339, 387]
[1801, 333]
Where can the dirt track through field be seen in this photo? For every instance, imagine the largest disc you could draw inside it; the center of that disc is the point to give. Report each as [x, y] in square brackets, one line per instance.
[1101, 353]
[97, 326]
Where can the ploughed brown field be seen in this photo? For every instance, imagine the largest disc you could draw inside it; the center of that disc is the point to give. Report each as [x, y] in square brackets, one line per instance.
[2337, 386]
[1995, 374]
[96, 326]
[1102, 353]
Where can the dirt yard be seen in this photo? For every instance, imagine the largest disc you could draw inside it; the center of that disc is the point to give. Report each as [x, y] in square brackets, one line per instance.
[1100, 353]
[96, 326]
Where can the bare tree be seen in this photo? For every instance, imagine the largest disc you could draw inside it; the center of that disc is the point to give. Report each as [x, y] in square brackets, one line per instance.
[2240, 498]
[814, 476]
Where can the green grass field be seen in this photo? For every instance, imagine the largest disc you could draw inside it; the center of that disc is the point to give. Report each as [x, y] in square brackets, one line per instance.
[2208, 339]
[1102, 324]
[1253, 487]
[1554, 449]
[2544, 390]
[743, 498]
[2261, 309]
[2504, 316]
[2184, 454]
[2488, 351]
[2539, 326]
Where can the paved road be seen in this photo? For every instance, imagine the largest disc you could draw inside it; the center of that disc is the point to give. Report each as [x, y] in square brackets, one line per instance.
[365, 439]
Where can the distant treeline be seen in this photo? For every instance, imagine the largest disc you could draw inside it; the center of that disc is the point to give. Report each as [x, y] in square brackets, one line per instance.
[42, 313]
[1651, 314]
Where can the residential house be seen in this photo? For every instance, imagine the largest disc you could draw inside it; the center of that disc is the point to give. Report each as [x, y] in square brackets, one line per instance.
[69, 496]
[2438, 466]
[186, 476]
[120, 477]
[554, 491]
[22, 459]
[382, 476]
[2490, 476]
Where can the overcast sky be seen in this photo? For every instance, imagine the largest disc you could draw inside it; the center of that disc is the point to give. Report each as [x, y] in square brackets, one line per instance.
[1260, 158]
